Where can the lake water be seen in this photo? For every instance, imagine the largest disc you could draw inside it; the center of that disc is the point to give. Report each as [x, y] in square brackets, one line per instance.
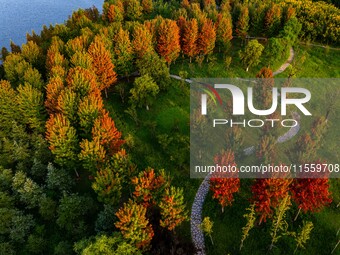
[18, 17]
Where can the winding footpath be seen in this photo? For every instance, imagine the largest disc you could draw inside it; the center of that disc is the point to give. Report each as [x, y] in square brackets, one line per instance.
[196, 210]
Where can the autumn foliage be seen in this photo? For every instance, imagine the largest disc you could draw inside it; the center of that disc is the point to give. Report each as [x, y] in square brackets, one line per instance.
[312, 194]
[267, 194]
[102, 62]
[189, 38]
[148, 185]
[224, 185]
[134, 225]
[168, 41]
[207, 37]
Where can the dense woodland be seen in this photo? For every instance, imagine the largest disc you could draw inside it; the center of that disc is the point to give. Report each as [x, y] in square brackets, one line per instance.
[75, 174]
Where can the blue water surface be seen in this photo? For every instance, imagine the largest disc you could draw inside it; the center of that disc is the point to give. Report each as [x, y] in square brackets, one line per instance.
[18, 17]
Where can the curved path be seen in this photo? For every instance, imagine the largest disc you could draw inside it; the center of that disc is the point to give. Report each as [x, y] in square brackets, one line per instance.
[288, 62]
[196, 210]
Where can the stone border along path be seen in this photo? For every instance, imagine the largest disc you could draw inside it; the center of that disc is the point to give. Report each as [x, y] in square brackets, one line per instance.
[196, 210]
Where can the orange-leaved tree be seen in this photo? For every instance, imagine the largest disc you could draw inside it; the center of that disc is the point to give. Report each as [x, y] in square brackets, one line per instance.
[267, 194]
[102, 62]
[189, 38]
[149, 186]
[207, 37]
[168, 40]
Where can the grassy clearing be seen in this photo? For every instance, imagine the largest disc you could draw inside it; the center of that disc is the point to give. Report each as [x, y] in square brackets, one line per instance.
[170, 115]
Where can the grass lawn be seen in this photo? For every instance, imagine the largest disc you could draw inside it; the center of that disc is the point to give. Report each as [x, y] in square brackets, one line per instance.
[169, 115]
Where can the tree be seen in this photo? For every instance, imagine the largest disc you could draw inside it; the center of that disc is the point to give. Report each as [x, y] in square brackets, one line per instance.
[267, 194]
[62, 139]
[189, 38]
[123, 53]
[311, 194]
[206, 227]
[53, 89]
[30, 193]
[105, 131]
[58, 179]
[108, 185]
[104, 68]
[115, 14]
[147, 6]
[92, 154]
[134, 225]
[67, 104]
[31, 107]
[149, 186]
[89, 109]
[224, 31]
[20, 227]
[242, 24]
[106, 245]
[291, 31]
[33, 77]
[206, 38]
[172, 207]
[82, 59]
[279, 223]
[224, 186]
[151, 64]
[15, 67]
[168, 40]
[133, 9]
[272, 20]
[304, 234]
[9, 111]
[32, 53]
[275, 48]
[250, 56]
[267, 149]
[144, 91]
[250, 217]
[72, 211]
[142, 41]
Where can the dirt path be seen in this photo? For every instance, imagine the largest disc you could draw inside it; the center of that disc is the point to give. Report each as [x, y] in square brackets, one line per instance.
[288, 62]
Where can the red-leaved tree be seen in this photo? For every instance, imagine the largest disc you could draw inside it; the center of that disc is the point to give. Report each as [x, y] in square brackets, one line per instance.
[311, 194]
[267, 194]
[224, 185]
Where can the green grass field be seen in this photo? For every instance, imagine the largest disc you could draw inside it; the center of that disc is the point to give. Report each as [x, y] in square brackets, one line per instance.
[169, 115]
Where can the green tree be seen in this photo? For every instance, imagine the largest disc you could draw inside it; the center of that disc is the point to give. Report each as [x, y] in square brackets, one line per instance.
[304, 234]
[207, 227]
[72, 211]
[31, 107]
[30, 193]
[15, 67]
[144, 91]
[133, 9]
[107, 245]
[151, 64]
[251, 55]
[123, 53]
[62, 139]
[58, 179]
[108, 185]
